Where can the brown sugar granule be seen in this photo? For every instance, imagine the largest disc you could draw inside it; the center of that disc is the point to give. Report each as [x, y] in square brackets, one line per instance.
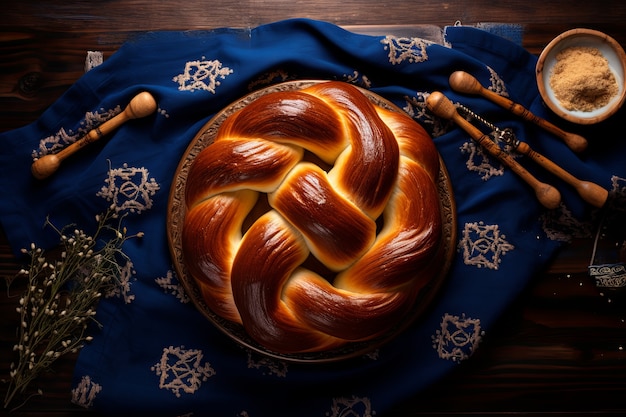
[582, 80]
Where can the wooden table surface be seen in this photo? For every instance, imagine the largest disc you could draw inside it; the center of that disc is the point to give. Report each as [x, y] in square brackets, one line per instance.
[560, 348]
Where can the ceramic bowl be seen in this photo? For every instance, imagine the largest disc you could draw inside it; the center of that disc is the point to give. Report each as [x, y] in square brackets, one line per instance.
[609, 48]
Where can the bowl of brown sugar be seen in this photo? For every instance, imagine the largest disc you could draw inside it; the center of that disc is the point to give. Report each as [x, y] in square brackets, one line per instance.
[580, 76]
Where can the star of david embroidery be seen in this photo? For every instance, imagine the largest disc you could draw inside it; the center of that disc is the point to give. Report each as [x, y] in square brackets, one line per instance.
[129, 188]
[483, 245]
[85, 392]
[355, 407]
[181, 369]
[405, 49]
[458, 337]
[202, 75]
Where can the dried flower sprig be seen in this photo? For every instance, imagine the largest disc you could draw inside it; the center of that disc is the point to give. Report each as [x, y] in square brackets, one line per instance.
[61, 296]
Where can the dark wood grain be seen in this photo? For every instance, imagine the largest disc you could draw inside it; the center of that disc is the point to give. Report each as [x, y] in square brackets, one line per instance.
[43, 43]
[560, 348]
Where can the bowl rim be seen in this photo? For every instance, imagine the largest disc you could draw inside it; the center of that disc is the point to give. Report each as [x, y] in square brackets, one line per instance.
[617, 63]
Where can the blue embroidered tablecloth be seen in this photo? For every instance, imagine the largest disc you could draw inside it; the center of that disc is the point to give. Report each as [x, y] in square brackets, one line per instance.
[156, 353]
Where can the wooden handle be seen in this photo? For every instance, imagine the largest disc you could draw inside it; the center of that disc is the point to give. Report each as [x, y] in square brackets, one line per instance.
[439, 104]
[142, 105]
[464, 82]
[588, 191]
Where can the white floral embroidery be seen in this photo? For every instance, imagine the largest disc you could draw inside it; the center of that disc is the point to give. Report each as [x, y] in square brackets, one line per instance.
[181, 369]
[267, 366]
[351, 407]
[405, 49]
[357, 79]
[416, 108]
[497, 85]
[483, 245]
[129, 188]
[123, 290]
[202, 75]
[171, 285]
[457, 338]
[478, 161]
[561, 225]
[63, 137]
[85, 392]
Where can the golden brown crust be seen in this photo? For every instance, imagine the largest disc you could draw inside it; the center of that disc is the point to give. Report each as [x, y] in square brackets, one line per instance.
[305, 199]
[211, 234]
[408, 240]
[366, 173]
[412, 140]
[346, 315]
[270, 251]
[258, 164]
[327, 257]
[292, 117]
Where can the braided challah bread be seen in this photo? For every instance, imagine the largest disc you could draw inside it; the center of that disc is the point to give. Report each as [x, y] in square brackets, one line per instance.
[313, 219]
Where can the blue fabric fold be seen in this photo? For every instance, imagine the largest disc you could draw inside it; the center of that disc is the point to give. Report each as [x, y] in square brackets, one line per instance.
[156, 353]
